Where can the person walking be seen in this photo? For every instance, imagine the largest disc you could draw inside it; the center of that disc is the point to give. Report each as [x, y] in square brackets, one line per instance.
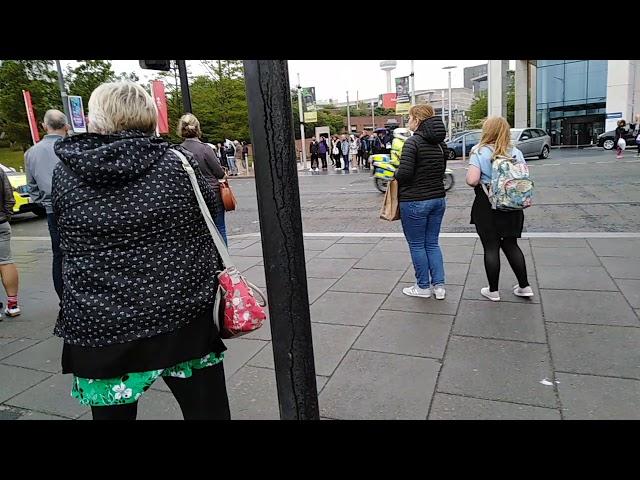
[422, 199]
[619, 139]
[8, 270]
[345, 150]
[313, 153]
[497, 229]
[140, 265]
[189, 130]
[40, 161]
[323, 148]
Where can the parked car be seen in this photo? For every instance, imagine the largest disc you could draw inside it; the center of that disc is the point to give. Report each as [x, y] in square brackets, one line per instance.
[532, 142]
[23, 204]
[607, 139]
[470, 137]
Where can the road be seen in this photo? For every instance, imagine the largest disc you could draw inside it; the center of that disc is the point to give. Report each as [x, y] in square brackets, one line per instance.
[575, 191]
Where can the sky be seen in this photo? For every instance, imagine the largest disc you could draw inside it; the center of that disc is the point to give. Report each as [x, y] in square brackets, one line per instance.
[332, 78]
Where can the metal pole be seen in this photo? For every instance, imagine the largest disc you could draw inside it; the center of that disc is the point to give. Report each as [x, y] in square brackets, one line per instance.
[269, 102]
[450, 105]
[373, 118]
[348, 116]
[63, 92]
[464, 148]
[442, 109]
[413, 86]
[303, 147]
[184, 86]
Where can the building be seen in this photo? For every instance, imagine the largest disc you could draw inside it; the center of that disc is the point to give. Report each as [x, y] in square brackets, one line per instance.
[572, 100]
[476, 78]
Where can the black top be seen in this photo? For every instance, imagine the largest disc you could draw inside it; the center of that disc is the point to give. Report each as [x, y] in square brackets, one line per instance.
[138, 258]
[209, 166]
[422, 164]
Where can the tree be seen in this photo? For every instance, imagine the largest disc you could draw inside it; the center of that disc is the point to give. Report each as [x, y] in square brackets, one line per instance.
[87, 76]
[478, 110]
[39, 78]
[511, 97]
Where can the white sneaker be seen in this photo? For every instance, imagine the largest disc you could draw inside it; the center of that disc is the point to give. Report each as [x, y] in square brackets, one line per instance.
[439, 292]
[522, 292]
[317, 169]
[354, 168]
[416, 291]
[338, 168]
[12, 312]
[493, 296]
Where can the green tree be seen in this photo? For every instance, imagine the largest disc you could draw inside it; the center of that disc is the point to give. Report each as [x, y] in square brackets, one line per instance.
[511, 97]
[39, 78]
[87, 76]
[478, 111]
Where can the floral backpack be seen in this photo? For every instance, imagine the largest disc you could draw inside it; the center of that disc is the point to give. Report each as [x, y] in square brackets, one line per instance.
[510, 187]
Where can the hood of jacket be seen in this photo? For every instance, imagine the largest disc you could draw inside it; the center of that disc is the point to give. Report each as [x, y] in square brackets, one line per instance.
[115, 159]
[432, 130]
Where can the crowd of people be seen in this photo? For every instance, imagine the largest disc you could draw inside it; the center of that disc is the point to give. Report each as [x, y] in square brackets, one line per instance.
[233, 155]
[348, 153]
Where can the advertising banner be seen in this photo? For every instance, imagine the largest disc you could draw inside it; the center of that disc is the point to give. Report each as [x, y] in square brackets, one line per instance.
[309, 105]
[159, 96]
[403, 95]
[76, 111]
[33, 125]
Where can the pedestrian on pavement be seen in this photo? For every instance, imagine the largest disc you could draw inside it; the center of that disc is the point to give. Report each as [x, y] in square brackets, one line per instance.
[364, 150]
[40, 161]
[323, 148]
[222, 155]
[245, 156]
[238, 158]
[497, 229]
[335, 152]
[8, 270]
[376, 144]
[422, 199]
[354, 146]
[140, 265]
[231, 158]
[313, 153]
[345, 150]
[189, 130]
[636, 133]
[619, 139]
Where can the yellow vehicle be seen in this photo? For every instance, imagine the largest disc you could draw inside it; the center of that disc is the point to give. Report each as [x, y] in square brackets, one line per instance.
[21, 193]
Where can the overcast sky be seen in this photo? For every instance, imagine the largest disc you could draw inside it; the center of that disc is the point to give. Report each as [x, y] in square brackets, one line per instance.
[332, 78]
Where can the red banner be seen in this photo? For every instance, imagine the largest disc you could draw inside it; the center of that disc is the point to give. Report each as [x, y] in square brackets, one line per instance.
[33, 125]
[157, 89]
[389, 100]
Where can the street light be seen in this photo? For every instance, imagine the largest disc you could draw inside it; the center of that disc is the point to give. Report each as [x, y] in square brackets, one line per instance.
[449, 68]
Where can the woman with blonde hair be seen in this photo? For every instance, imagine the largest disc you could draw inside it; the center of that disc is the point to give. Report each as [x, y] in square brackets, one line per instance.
[140, 265]
[189, 129]
[497, 229]
[422, 199]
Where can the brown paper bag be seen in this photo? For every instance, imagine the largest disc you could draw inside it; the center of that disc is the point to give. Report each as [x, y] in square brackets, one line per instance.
[391, 206]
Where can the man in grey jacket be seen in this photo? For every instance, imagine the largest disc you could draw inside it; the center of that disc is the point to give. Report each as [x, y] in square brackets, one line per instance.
[40, 161]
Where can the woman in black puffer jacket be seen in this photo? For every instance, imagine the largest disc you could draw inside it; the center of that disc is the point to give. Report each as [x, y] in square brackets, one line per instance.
[422, 199]
[140, 265]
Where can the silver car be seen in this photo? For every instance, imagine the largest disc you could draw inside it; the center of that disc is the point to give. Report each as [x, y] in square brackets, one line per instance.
[532, 142]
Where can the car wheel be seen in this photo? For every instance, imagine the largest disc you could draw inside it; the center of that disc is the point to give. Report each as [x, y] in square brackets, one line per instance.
[452, 154]
[608, 144]
[545, 153]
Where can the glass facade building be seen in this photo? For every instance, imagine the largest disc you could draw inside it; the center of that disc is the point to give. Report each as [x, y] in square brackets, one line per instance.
[571, 98]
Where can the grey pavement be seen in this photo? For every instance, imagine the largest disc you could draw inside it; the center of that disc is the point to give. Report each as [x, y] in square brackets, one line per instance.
[572, 352]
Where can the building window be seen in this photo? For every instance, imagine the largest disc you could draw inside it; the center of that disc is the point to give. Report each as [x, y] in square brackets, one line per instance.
[575, 84]
[597, 80]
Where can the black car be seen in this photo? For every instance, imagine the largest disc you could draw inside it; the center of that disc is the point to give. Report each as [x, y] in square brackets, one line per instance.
[607, 139]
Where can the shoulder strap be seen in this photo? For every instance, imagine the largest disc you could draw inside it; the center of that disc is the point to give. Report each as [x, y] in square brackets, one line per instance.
[215, 235]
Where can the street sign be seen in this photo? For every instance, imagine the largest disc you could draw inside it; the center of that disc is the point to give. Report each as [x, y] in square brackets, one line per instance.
[76, 112]
[614, 115]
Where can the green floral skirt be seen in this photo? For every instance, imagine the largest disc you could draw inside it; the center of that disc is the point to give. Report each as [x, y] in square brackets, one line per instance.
[129, 388]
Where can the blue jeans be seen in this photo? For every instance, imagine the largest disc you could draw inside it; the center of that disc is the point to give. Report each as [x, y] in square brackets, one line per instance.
[421, 225]
[220, 225]
[232, 164]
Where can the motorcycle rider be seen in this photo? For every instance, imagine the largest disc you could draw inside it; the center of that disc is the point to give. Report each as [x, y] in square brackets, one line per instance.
[385, 164]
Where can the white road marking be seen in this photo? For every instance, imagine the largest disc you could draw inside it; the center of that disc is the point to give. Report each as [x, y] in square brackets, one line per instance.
[459, 235]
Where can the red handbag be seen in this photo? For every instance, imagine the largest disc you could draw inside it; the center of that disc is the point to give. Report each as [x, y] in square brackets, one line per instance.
[241, 313]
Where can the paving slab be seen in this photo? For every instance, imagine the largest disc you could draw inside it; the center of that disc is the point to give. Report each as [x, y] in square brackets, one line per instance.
[377, 260]
[329, 267]
[346, 308]
[359, 240]
[497, 370]
[14, 380]
[400, 302]
[380, 386]
[565, 256]
[603, 308]
[156, 405]
[468, 241]
[319, 245]
[418, 334]
[631, 290]
[457, 253]
[256, 276]
[239, 352]
[558, 242]
[455, 407]
[622, 267]
[595, 349]
[245, 263]
[346, 250]
[14, 345]
[454, 274]
[368, 281]
[45, 356]
[253, 394]
[254, 250]
[500, 320]
[317, 286]
[575, 278]
[52, 396]
[586, 397]
[330, 345]
[616, 247]
[475, 281]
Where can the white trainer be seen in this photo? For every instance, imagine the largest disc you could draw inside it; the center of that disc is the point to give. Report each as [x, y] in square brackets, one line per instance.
[522, 292]
[493, 296]
[416, 291]
[439, 292]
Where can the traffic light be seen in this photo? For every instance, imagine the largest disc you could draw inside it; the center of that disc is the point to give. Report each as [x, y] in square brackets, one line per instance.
[156, 64]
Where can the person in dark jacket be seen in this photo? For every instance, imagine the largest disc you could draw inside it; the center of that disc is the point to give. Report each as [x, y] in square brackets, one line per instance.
[189, 129]
[323, 148]
[313, 152]
[222, 154]
[620, 132]
[140, 266]
[363, 153]
[335, 152]
[422, 199]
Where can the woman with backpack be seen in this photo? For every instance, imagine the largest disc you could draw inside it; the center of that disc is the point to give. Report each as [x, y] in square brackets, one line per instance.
[497, 229]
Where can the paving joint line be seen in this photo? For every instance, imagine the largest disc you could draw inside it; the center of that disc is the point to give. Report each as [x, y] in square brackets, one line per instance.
[498, 400]
[599, 375]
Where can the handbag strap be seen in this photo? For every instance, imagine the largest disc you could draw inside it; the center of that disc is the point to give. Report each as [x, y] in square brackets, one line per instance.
[215, 235]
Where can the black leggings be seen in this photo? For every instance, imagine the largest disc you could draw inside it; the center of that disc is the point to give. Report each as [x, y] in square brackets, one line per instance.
[514, 255]
[203, 396]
